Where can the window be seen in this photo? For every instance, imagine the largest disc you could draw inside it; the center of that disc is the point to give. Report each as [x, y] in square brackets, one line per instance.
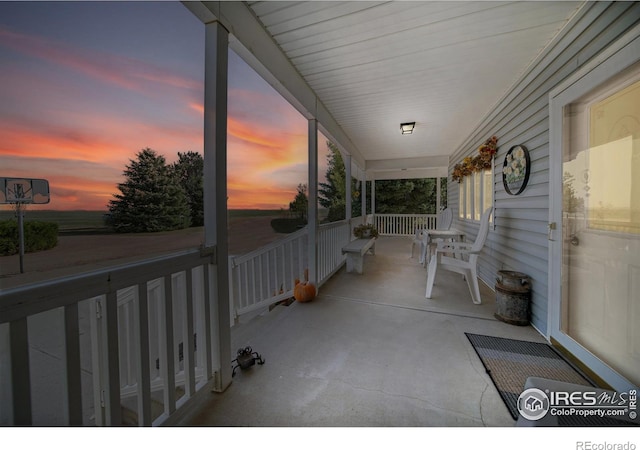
[614, 162]
[603, 161]
[487, 197]
[468, 197]
[476, 194]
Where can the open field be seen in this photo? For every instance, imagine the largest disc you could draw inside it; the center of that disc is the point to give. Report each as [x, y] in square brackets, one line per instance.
[66, 220]
[74, 220]
[82, 252]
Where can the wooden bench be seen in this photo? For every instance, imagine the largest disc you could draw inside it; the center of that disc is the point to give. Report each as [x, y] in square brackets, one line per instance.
[355, 251]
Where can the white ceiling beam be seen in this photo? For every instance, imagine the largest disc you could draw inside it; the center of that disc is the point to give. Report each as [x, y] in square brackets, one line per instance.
[408, 163]
[408, 174]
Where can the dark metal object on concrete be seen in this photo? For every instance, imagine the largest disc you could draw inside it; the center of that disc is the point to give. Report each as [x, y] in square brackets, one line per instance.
[245, 359]
[513, 295]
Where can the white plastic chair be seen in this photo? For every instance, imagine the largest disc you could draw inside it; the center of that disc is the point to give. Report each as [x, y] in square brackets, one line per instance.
[419, 239]
[445, 219]
[466, 264]
[443, 222]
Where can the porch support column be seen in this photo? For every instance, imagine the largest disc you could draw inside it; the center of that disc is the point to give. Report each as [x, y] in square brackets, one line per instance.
[215, 191]
[347, 186]
[312, 211]
[373, 195]
[363, 197]
[438, 197]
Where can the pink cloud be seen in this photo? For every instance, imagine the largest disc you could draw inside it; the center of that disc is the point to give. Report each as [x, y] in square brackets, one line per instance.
[125, 72]
[82, 148]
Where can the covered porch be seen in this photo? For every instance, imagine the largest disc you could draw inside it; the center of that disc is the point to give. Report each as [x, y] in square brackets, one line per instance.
[370, 350]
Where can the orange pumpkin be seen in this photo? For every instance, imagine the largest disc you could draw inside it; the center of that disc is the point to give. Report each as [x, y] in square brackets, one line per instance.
[304, 291]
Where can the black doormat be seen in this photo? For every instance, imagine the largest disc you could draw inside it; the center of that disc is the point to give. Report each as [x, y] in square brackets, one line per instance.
[510, 362]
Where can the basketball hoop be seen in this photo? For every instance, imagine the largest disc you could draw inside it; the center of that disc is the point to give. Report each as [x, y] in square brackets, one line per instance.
[19, 192]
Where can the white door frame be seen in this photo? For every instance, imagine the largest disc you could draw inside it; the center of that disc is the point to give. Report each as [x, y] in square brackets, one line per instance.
[613, 60]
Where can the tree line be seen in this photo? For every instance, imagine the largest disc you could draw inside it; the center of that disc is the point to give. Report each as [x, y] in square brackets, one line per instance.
[157, 196]
[411, 196]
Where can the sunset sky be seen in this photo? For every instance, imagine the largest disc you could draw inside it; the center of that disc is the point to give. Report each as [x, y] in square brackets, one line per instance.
[84, 86]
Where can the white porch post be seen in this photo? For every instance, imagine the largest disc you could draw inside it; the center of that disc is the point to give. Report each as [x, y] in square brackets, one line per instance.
[215, 188]
[363, 197]
[438, 187]
[312, 212]
[347, 186]
[373, 195]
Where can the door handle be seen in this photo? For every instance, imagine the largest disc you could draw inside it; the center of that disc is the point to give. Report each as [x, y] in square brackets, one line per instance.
[574, 240]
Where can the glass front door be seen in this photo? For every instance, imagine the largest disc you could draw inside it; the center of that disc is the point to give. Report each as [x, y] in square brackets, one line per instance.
[600, 300]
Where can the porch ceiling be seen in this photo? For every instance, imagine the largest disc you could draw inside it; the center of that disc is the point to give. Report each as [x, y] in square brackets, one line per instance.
[374, 65]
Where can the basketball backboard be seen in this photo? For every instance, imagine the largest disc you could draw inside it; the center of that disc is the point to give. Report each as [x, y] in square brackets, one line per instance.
[24, 190]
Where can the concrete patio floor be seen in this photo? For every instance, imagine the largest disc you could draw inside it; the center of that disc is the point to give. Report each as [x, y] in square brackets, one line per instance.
[370, 350]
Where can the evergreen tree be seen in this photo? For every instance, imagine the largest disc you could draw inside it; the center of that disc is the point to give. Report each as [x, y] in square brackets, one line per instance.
[411, 196]
[332, 194]
[300, 203]
[416, 196]
[189, 171]
[151, 197]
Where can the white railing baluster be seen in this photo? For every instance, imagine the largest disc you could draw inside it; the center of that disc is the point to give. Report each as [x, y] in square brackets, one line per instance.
[167, 366]
[73, 369]
[20, 378]
[283, 271]
[127, 345]
[232, 290]
[205, 346]
[97, 334]
[253, 277]
[261, 276]
[269, 279]
[300, 260]
[290, 267]
[187, 346]
[141, 320]
[276, 272]
[234, 274]
[123, 339]
[113, 413]
[245, 285]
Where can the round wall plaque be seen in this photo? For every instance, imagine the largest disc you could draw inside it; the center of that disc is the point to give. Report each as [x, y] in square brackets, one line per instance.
[515, 169]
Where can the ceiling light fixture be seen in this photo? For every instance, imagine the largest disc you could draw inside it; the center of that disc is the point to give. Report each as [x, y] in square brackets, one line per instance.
[407, 128]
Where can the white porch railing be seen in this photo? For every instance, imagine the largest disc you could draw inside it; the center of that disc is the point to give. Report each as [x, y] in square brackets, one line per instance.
[331, 238]
[143, 331]
[403, 224]
[267, 275]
